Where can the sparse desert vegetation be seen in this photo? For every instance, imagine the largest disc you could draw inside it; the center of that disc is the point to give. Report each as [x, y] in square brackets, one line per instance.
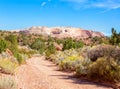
[59, 44]
[98, 60]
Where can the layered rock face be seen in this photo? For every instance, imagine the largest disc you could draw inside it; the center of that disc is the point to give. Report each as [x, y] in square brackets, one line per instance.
[63, 32]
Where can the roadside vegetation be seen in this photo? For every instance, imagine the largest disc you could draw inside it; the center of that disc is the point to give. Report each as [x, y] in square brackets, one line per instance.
[11, 56]
[97, 60]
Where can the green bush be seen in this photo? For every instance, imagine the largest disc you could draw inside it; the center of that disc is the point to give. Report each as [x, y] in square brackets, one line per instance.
[50, 50]
[12, 38]
[20, 58]
[39, 45]
[13, 44]
[3, 45]
[69, 43]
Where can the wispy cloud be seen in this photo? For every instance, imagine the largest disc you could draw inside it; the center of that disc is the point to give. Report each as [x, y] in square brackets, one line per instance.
[43, 4]
[105, 4]
[109, 4]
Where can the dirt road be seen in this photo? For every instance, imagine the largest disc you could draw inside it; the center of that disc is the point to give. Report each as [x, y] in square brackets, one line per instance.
[39, 73]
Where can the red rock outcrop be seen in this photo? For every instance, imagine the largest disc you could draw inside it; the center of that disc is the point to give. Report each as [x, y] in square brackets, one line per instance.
[63, 32]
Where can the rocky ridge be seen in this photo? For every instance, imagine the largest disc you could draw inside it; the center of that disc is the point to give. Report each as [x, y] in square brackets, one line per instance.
[62, 32]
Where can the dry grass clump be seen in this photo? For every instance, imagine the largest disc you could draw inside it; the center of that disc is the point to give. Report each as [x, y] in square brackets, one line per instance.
[7, 82]
[7, 66]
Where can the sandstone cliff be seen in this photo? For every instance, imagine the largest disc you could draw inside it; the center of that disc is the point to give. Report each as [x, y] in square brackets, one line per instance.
[63, 32]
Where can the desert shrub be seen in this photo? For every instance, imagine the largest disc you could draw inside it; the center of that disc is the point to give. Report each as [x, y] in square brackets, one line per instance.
[3, 45]
[100, 51]
[20, 58]
[7, 66]
[107, 70]
[24, 39]
[115, 54]
[12, 38]
[39, 45]
[70, 52]
[50, 49]
[96, 40]
[103, 68]
[26, 52]
[5, 55]
[58, 56]
[78, 44]
[69, 43]
[7, 83]
[59, 41]
[50, 39]
[104, 51]
[105, 40]
[82, 67]
[70, 62]
[84, 51]
[13, 44]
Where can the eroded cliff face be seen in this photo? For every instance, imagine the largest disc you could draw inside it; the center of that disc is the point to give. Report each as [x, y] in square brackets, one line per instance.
[63, 32]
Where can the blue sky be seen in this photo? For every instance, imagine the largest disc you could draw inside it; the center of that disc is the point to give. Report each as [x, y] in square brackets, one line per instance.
[98, 15]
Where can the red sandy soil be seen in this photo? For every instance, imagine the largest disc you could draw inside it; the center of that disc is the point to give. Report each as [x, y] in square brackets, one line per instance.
[39, 73]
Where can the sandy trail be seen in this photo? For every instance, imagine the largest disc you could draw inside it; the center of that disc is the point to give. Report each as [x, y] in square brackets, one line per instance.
[42, 74]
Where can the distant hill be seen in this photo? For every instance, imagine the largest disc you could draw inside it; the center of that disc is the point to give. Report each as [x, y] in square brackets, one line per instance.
[62, 32]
